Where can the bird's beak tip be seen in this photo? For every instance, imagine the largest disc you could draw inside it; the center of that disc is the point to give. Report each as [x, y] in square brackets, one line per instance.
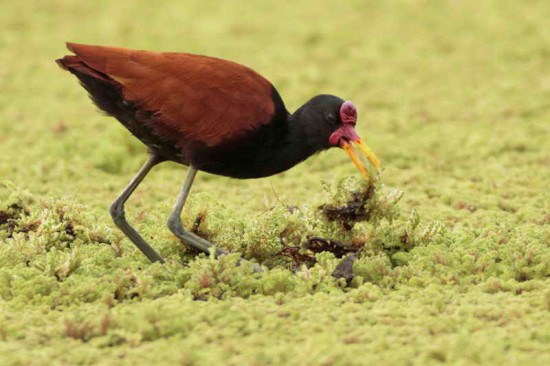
[369, 153]
[358, 150]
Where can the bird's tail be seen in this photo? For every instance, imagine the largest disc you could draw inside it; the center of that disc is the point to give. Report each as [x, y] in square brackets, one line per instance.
[104, 91]
[75, 65]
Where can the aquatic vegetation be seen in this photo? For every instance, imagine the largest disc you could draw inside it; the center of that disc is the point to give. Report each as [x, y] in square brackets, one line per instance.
[444, 260]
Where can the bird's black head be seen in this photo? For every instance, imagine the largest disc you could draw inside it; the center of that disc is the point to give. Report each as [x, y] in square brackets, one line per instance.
[319, 118]
[328, 121]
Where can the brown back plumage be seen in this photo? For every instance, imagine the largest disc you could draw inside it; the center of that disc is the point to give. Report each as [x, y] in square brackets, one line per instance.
[201, 99]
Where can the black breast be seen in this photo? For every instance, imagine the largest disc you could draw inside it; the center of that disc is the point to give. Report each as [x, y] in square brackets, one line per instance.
[249, 156]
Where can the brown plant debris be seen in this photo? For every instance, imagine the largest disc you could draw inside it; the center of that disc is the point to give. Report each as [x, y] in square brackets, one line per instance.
[318, 245]
[355, 210]
[297, 257]
[4, 217]
[198, 228]
[201, 217]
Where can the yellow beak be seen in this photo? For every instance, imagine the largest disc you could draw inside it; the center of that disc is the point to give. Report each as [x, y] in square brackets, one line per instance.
[356, 150]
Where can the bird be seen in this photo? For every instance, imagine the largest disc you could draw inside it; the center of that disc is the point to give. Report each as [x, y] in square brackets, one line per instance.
[211, 115]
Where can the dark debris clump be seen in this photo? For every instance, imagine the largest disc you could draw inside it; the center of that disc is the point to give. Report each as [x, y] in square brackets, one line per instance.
[339, 249]
[297, 256]
[355, 209]
[345, 268]
[9, 217]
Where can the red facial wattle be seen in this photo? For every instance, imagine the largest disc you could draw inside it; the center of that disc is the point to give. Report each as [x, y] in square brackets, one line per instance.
[344, 133]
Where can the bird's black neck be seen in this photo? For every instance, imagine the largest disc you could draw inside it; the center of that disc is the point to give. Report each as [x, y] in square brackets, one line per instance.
[292, 146]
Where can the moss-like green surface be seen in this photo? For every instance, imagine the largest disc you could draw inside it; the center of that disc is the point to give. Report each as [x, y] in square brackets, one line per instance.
[453, 97]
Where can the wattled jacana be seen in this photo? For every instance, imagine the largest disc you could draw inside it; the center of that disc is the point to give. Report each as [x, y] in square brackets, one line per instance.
[210, 114]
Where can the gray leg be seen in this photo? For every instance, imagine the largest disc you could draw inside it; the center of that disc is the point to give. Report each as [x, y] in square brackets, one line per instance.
[174, 221]
[117, 211]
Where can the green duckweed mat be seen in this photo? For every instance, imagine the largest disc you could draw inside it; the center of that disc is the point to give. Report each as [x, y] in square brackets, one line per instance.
[452, 258]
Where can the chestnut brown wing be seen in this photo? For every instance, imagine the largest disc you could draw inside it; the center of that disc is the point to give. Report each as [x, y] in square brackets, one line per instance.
[204, 99]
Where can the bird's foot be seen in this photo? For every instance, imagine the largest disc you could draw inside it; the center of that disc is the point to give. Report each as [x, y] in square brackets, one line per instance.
[204, 245]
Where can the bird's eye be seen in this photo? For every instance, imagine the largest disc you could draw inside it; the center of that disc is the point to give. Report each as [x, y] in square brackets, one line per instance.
[330, 117]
